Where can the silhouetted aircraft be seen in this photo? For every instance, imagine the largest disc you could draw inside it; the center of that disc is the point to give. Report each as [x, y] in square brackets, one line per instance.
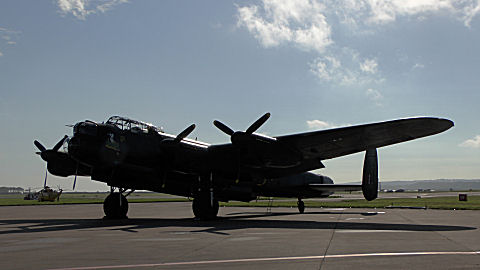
[132, 155]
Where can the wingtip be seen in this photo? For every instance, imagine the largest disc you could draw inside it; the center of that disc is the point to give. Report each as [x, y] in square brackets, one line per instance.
[447, 122]
[443, 124]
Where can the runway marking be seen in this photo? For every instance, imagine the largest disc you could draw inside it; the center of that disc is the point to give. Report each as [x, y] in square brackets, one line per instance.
[160, 239]
[371, 231]
[422, 253]
[247, 238]
[262, 233]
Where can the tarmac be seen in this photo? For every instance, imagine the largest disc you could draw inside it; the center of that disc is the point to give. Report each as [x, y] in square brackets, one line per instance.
[166, 236]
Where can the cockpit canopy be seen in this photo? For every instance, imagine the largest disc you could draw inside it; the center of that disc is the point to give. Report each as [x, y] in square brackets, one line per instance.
[124, 123]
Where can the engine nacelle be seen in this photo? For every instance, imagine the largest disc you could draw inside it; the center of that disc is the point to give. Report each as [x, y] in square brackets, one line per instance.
[60, 164]
[370, 175]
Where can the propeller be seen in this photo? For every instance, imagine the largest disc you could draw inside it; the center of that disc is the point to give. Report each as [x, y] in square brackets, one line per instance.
[44, 152]
[182, 135]
[75, 179]
[223, 127]
[74, 182]
[45, 182]
[168, 145]
[257, 124]
[245, 138]
[239, 136]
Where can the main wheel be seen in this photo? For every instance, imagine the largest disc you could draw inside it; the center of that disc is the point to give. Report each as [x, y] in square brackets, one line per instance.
[115, 206]
[203, 209]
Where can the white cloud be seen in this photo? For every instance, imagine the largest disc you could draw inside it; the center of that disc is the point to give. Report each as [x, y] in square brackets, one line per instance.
[326, 68]
[380, 12]
[375, 96]
[471, 143]
[385, 11]
[307, 25]
[470, 10]
[418, 66]
[369, 66]
[276, 22]
[8, 38]
[82, 8]
[318, 124]
[346, 67]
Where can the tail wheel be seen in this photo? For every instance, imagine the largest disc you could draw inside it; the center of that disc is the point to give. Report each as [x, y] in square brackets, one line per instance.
[301, 206]
[115, 206]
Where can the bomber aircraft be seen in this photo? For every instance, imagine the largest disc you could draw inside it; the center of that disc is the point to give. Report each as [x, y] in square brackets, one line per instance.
[131, 155]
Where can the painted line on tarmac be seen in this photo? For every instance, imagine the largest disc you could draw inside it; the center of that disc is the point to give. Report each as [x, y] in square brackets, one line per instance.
[372, 231]
[275, 259]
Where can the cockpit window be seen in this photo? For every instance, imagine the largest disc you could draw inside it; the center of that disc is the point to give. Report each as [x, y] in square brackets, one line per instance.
[85, 128]
[134, 126]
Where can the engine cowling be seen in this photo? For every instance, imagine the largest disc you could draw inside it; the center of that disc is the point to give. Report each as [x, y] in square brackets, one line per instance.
[370, 175]
[60, 164]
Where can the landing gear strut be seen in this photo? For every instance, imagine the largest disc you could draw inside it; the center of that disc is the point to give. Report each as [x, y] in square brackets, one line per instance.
[301, 206]
[205, 206]
[115, 205]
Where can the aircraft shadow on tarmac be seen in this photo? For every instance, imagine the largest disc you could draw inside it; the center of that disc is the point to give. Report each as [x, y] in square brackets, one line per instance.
[219, 226]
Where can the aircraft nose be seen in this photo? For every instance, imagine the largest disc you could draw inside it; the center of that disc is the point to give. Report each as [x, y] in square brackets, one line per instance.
[73, 145]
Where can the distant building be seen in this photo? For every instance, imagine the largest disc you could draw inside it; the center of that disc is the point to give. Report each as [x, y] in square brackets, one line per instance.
[11, 190]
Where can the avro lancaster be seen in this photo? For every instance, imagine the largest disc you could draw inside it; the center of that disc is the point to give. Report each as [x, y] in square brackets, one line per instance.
[131, 155]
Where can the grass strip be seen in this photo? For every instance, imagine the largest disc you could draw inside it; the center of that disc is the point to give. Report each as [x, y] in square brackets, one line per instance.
[19, 202]
[444, 202]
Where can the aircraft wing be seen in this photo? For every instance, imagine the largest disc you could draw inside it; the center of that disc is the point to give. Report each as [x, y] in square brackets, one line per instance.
[303, 152]
[327, 144]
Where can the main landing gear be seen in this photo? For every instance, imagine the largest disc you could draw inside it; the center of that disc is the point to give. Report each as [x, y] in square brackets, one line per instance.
[205, 205]
[115, 205]
[301, 206]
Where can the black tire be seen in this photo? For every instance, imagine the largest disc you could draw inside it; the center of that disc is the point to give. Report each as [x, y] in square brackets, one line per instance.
[202, 208]
[112, 207]
[301, 207]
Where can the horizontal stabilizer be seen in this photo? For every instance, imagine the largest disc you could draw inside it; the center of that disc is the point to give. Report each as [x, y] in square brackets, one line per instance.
[334, 187]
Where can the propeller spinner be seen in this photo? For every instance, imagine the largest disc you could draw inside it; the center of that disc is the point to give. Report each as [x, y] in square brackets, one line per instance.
[239, 136]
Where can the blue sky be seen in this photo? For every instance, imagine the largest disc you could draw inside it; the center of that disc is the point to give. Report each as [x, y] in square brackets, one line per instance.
[312, 64]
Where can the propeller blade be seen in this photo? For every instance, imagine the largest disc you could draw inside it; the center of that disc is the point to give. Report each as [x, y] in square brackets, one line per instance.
[59, 144]
[223, 127]
[75, 180]
[45, 182]
[185, 133]
[258, 123]
[39, 146]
